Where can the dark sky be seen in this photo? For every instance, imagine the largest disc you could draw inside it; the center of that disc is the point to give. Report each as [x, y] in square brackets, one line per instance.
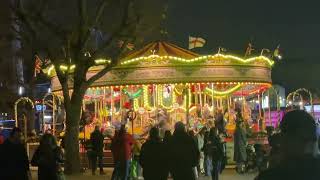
[233, 23]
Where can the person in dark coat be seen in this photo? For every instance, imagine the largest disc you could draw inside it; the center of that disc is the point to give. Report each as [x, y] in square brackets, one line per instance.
[97, 143]
[152, 158]
[166, 140]
[14, 162]
[240, 146]
[299, 158]
[216, 150]
[49, 158]
[183, 154]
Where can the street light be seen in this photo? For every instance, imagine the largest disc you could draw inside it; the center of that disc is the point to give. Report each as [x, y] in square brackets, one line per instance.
[20, 90]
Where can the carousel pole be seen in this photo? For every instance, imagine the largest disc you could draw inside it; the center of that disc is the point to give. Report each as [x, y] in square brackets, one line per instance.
[111, 104]
[121, 104]
[212, 97]
[156, 100]
[200, 95]
[269, 108]
[260, 113]
[228, 104]
[53, 115]
[187, 105]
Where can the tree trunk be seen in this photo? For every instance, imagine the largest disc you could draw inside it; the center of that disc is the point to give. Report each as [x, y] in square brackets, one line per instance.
[72, 155]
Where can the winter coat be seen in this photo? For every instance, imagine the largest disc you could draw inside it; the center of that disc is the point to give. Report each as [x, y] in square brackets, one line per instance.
[152, 160]
[299, 168]
[183, 156]
[122, 147]
[97, 143]
[240, 143]
[14, 162]
[49, 165]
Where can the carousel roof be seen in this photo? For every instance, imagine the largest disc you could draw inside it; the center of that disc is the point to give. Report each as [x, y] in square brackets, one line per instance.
[161, 49]
[166, 63]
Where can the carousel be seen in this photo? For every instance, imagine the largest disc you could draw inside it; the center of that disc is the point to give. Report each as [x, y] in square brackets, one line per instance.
[163, 83]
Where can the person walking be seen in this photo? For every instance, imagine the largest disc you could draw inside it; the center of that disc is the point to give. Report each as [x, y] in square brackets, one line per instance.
[183, 154]
[48, 158]
[207, 154]
[136, 149]
[215, 148]
[166, 139]
[96, 139]
[240, 144]
[14, 162]
[122, 147]
[195, 140]
[152, 158]
[200, 143]
[299, 157]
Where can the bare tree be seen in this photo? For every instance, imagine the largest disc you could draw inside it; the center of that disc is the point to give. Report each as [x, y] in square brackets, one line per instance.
[65, 30]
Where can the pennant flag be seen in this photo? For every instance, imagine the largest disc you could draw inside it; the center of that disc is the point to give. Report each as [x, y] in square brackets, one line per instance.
[37, 65]
[130, 46]
[195, 42]
[249, 50]
[221, 49]
[276, 52]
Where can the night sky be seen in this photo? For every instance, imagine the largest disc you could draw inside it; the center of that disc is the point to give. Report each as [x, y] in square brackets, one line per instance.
[293, 24]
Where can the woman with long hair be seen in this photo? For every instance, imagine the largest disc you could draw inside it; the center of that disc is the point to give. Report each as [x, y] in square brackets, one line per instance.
[48, 157]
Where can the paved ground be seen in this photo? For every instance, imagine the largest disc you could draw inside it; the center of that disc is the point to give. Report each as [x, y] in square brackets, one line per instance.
[228, 174]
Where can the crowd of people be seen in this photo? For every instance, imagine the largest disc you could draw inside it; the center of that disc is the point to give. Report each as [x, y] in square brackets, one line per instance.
[181, 155]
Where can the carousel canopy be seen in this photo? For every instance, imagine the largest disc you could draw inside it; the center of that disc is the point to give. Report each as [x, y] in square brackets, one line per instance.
[166, 63]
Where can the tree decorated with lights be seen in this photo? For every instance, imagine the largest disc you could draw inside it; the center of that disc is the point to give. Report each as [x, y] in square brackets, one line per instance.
[74, 36]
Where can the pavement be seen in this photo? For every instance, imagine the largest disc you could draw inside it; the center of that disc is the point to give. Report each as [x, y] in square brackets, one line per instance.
[228, 174]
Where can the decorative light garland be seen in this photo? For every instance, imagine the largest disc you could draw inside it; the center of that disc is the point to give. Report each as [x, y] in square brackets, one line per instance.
[269, 61]
[223, 93]
[133, 95]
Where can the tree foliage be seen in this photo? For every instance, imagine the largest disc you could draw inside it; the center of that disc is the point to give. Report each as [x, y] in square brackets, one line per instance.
[65, 31]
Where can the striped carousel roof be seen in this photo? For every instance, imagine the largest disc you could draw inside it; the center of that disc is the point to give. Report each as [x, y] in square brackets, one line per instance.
[161, 49]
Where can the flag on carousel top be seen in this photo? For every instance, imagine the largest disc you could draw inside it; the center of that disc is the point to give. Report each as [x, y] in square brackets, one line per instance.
[276, 52]
[130, 46]
[248, 50]
[37, 65]
[195, 42]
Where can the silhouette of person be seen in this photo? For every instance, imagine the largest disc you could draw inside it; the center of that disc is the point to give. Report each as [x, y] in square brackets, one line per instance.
[152, 158]
[183, 154]
[48, 157]
[14, 162]
[299, 157]
[97, 139]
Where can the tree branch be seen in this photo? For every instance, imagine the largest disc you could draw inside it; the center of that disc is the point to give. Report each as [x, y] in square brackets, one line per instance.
[108, 67]
[117, 31]
[37, 17]
[99, 13]
[82, 8]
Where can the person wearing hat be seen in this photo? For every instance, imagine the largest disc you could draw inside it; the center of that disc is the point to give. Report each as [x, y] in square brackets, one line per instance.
[299, 153]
